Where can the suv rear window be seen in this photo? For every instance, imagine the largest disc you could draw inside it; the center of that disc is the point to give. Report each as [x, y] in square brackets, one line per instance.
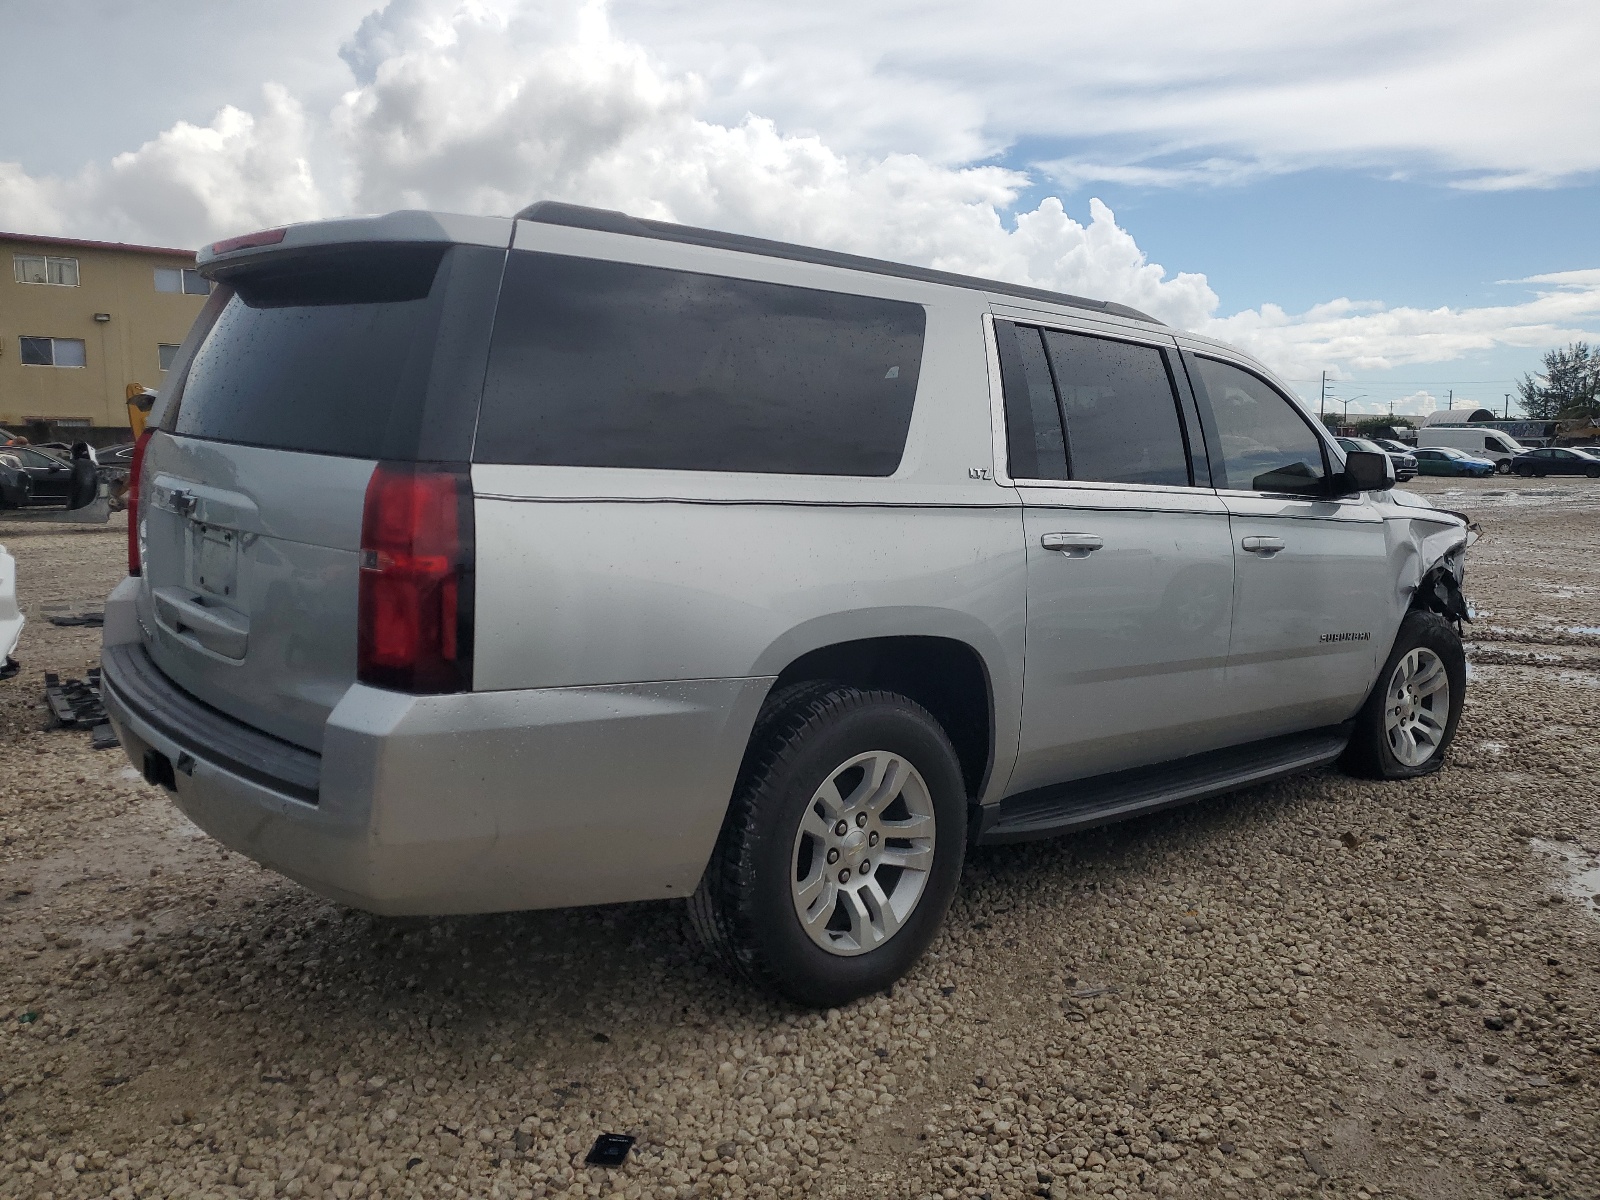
[602, 364]
[322, 354]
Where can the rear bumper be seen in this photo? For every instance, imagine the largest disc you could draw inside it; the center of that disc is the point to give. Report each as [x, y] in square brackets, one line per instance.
[481, 802]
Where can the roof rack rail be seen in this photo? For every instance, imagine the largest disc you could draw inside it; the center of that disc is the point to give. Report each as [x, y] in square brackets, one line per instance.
[578, 216]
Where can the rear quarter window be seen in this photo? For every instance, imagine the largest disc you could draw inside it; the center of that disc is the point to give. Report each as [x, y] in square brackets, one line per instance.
[602, 364]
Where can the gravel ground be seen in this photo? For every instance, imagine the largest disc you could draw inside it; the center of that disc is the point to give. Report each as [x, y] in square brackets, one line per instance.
[1319, 987]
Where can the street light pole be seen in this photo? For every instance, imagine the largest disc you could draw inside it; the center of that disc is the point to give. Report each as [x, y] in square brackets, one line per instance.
[1347, 404]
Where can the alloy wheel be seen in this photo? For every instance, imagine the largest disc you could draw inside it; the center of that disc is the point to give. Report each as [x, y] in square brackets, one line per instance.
[1416, 707]
[862, 853]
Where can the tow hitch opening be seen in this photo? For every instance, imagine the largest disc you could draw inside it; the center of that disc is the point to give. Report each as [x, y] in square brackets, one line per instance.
[158, 770]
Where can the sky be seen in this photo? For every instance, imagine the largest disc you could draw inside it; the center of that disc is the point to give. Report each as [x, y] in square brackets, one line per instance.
[1400, 193]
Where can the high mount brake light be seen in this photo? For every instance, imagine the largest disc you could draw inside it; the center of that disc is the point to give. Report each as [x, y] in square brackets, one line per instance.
[416, 579]
[135, 472]
[266, 237]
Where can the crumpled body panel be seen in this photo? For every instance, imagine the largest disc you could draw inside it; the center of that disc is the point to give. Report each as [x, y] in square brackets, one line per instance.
[1427, 550]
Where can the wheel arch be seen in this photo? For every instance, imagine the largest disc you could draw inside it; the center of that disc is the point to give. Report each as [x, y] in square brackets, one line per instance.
[947, 675]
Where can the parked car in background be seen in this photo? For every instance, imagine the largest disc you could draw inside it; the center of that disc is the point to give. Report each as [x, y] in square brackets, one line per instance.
[1405, 463]
[1443, 460]
[1556, 460]
[484, 564]
[1493, 444]
[16, 485]
[51, 475]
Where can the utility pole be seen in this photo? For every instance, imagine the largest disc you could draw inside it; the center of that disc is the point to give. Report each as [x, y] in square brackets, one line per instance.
[1322, 402]
[1451, 405]
[1508, 406]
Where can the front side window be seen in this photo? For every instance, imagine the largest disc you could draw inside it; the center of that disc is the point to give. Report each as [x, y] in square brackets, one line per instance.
[166, 355]
[172, 279]
[52, 352]
[1265, 444]
[601, 364]
[45, 268]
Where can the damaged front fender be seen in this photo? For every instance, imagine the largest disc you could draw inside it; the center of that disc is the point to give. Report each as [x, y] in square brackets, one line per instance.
[1429, 547]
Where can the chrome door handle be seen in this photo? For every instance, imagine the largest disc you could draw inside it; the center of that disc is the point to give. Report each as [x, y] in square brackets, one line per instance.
[1262, 545]
[1073, 545]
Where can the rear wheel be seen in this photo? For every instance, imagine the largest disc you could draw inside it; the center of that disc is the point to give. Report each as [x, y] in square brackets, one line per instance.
[842, 847]
[1409, 720]
[1592, 472]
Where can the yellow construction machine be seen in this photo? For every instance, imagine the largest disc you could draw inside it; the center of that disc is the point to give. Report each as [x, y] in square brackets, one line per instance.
[140, 401]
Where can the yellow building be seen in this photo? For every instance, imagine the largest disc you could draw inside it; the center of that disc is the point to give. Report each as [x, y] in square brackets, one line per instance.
[79, 321]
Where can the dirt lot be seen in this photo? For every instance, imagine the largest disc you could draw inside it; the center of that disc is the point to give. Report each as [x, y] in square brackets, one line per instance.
[1320, 987]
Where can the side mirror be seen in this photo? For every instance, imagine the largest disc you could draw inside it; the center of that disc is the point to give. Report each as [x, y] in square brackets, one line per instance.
[1365, 471]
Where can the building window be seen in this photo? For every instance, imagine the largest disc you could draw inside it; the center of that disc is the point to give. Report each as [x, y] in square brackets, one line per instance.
[52, 352]
[45, 268]
[165, 354]
[190, 283]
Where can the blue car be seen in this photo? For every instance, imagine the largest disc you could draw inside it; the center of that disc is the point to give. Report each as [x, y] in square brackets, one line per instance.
[1443, 460]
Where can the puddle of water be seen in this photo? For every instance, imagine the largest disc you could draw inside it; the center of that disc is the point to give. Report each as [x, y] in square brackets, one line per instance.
[1582, 870]
[1578, 678]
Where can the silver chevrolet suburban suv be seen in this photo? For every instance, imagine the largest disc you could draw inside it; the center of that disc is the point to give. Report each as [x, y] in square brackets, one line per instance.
[480, 564]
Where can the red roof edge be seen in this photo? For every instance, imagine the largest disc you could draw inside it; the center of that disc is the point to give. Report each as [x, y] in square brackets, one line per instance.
[40, 239]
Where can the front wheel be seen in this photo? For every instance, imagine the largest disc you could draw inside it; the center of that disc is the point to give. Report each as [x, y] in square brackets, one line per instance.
[1409, 720]
[1503, 466]
[842, 846]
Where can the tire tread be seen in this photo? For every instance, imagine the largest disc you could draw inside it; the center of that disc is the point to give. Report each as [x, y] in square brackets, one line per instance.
[1365, 755]
[720, 908]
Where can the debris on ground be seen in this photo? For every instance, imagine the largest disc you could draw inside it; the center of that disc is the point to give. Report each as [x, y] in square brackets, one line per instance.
[95, 619]
[609, 1150]
[75, 703]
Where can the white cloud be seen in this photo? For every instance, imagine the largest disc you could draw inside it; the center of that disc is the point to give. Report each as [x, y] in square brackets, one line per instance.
[1495, 94]
[489, 108]
[1367, 337]
[189, 184]
[486, 105]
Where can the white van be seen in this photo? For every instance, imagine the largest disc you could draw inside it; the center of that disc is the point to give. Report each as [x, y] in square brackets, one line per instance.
[1498, 447]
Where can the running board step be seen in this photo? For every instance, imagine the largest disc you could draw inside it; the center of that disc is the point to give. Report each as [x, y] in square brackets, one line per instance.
[1105, 798]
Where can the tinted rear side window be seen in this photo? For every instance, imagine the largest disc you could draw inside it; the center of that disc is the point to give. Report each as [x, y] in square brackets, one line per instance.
[1035, 448]
[601, 364]
[327, 354]
[1121, 411]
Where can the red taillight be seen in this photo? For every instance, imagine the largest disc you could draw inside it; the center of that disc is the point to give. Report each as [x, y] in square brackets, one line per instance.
[415, 631]
[134, 472]
[266, 237]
